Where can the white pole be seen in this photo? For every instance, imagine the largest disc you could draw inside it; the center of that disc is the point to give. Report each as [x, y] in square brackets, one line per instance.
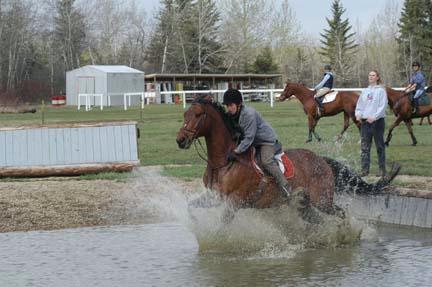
[101, 107]
[109, 100]
[184, 100]
[79, 101]
[142, 100]
[271, 99]
[129, 100]
[124, 102]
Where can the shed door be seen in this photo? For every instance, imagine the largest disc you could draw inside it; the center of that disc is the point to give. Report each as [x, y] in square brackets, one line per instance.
[86, 85]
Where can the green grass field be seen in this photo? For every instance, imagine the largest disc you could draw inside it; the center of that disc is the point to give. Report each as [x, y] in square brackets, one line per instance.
[160, 124]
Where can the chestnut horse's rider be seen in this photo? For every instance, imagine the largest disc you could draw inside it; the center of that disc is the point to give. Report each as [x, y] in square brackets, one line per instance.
[257, 133]
[416, 86]
[324, 86]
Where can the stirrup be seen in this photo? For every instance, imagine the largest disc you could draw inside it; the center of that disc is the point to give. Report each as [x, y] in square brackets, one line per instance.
[286, 191]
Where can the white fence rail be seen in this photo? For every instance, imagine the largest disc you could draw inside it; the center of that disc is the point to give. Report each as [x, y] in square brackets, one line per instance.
[87, 100]
[146, 95]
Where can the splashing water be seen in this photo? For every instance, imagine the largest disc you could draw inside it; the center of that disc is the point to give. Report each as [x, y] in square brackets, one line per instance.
[269, 233]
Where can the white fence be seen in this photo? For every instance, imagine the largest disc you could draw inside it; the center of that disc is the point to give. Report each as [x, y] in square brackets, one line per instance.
[144, 97]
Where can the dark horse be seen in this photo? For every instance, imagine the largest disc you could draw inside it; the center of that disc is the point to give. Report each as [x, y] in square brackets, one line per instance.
[400, 103]
[238, 182]
[345, 102]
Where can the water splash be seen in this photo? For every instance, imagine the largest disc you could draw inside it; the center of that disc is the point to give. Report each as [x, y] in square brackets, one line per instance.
[269, 233]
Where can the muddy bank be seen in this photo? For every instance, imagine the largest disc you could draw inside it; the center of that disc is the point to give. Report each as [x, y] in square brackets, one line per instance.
[56, 203]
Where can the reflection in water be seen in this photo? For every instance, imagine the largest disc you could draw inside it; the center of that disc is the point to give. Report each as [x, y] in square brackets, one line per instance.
[166, 254]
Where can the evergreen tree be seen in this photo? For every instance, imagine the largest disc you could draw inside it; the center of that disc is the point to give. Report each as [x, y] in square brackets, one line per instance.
[69, 33]
[415, 40]
[338, 44]
[264, 63]
[185, 38]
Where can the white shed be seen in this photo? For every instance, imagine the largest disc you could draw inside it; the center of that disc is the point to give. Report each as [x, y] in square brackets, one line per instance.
[110, 81]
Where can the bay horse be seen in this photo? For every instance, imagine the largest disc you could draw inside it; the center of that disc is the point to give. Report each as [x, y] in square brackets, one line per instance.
[401, 106]
[344, 102]
[240, 185]
[428, 118]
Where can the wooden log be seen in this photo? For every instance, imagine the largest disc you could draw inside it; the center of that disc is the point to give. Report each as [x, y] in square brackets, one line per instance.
[66, 170]
[17, 109]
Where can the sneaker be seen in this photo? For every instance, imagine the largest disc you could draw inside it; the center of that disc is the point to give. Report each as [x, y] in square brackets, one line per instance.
[364, 173]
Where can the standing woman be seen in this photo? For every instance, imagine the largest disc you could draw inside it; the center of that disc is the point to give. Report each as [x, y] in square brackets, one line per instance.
[370, 111]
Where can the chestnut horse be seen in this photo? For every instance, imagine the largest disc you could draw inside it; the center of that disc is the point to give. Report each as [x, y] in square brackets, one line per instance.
[400, 103]
[345, 102]
[239, 183]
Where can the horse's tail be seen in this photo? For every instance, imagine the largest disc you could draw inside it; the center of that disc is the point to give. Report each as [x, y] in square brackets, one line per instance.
[349, 181]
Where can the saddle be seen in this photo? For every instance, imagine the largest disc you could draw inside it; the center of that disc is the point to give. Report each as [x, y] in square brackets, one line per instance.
[329, 97]
[424, 99]
[284, 163]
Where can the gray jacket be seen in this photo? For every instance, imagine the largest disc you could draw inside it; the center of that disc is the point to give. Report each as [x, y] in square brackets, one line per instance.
[256, 131]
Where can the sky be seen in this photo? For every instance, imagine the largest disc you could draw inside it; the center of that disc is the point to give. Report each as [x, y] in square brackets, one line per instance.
[311, 14]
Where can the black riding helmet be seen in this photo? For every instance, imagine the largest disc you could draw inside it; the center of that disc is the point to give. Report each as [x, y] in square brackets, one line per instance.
[416, 64]
[232, 96]
[327, 67]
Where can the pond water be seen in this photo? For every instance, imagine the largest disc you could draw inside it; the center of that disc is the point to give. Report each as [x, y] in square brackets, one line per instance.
[259, 248]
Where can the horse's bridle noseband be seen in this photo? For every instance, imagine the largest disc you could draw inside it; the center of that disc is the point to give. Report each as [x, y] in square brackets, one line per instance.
[194, 132]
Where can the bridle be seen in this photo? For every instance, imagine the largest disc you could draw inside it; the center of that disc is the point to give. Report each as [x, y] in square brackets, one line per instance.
[194, 132]
[194, 138]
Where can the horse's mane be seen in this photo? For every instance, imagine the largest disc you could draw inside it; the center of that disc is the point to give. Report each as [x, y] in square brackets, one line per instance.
[231, 124]
[301, 86]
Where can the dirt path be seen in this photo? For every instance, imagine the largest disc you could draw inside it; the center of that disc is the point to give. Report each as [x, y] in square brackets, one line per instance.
[54, 203]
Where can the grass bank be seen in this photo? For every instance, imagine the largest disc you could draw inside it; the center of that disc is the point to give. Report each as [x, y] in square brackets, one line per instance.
[160, 124]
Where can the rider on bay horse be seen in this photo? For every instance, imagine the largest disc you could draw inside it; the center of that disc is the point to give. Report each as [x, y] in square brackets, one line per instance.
[416, 86]
[324, 86]
[257, 133]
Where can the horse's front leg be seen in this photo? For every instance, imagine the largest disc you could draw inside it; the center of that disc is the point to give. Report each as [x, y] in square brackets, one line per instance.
[317, 136]
[345, 126]
[310, 125]
[228, 214]
[389, 135]
[410, 130]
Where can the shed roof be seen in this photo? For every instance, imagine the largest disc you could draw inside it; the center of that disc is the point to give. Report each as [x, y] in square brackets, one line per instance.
[165, 77]
[113, 69]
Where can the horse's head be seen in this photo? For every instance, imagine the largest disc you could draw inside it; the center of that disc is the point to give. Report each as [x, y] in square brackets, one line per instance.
[288, 92]
[194, 125]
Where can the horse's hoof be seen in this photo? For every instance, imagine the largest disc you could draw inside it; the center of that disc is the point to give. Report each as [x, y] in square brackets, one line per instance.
[319, 140]
[308, 141]
[386, 143]
[414, 144]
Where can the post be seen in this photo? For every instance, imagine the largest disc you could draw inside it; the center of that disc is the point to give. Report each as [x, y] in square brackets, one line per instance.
[101, 107]
[184, 100]
[142, 100]
[271, 99]
[79, 101]
[43, 111]
[124, 102]
[142, 107]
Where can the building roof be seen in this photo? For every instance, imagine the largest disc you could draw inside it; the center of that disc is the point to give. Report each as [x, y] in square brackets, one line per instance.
[211, 76]
[114, 69]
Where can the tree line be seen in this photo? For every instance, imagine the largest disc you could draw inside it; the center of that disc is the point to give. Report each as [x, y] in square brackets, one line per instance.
[42, 39]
